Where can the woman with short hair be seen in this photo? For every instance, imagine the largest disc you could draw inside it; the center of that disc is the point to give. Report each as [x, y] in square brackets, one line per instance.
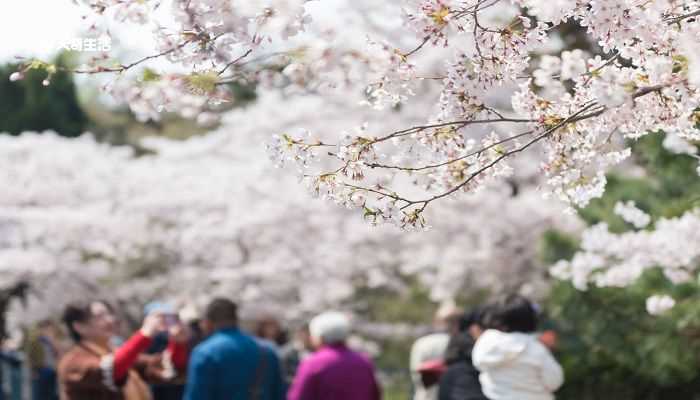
[334, 372]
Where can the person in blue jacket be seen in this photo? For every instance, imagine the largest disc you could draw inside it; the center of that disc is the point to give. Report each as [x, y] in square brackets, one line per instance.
[230, 364]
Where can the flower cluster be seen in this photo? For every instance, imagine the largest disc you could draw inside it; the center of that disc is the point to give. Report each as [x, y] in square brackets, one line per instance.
[659, 304]
[194, 96]
[609, 259]
[578, 105]
[631, 214]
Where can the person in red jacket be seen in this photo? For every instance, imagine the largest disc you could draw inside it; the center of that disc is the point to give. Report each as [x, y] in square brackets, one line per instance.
[91, 370]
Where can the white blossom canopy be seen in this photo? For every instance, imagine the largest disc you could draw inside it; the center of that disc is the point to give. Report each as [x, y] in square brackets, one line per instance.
[210, 215]
[488, 91]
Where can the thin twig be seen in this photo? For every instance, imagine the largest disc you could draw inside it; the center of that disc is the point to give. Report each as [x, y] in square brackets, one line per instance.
[461, 123]
[680, 18]
[123, 68]
[481, 150]
[502, 156]
[227, 66]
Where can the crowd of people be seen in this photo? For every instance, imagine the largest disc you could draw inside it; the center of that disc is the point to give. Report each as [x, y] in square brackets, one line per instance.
[491, 352]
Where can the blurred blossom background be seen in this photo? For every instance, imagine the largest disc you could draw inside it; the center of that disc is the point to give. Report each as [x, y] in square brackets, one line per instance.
[100, 200]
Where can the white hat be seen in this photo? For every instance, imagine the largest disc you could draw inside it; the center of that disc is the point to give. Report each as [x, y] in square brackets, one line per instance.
[331, 327]
[189, 313]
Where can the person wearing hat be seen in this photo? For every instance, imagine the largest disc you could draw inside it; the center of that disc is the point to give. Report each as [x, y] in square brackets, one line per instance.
[334, 372]
[428, 352]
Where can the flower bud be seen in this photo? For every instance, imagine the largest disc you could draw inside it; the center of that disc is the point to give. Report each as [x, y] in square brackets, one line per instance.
[16, 76]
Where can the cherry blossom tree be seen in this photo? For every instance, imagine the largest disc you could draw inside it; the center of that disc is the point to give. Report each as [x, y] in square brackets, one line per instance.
[461, 97]
[637, 74]
[210, 215]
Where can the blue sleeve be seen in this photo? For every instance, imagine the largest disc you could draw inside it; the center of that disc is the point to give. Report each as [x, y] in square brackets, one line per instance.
[200, 378]
[278, 388]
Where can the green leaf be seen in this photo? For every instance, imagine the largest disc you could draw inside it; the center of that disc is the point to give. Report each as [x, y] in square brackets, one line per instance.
[203, 82]
[150, 75]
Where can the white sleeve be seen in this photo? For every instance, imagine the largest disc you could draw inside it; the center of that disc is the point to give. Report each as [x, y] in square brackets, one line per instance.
[490, 351]
[415, 358]
[552, 374]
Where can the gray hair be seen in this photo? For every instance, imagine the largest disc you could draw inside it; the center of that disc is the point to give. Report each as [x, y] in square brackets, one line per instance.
[330, 327]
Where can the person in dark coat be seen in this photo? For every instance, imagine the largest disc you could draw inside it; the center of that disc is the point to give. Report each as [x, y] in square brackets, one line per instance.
[461, 379]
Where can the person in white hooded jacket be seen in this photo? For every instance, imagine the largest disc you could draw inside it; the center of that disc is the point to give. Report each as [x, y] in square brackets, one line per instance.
[513, 363]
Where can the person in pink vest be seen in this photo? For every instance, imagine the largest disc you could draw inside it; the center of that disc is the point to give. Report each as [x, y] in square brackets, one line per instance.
[334, 372]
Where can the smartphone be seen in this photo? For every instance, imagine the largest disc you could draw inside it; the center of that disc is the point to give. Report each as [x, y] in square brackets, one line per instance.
[170, 319]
